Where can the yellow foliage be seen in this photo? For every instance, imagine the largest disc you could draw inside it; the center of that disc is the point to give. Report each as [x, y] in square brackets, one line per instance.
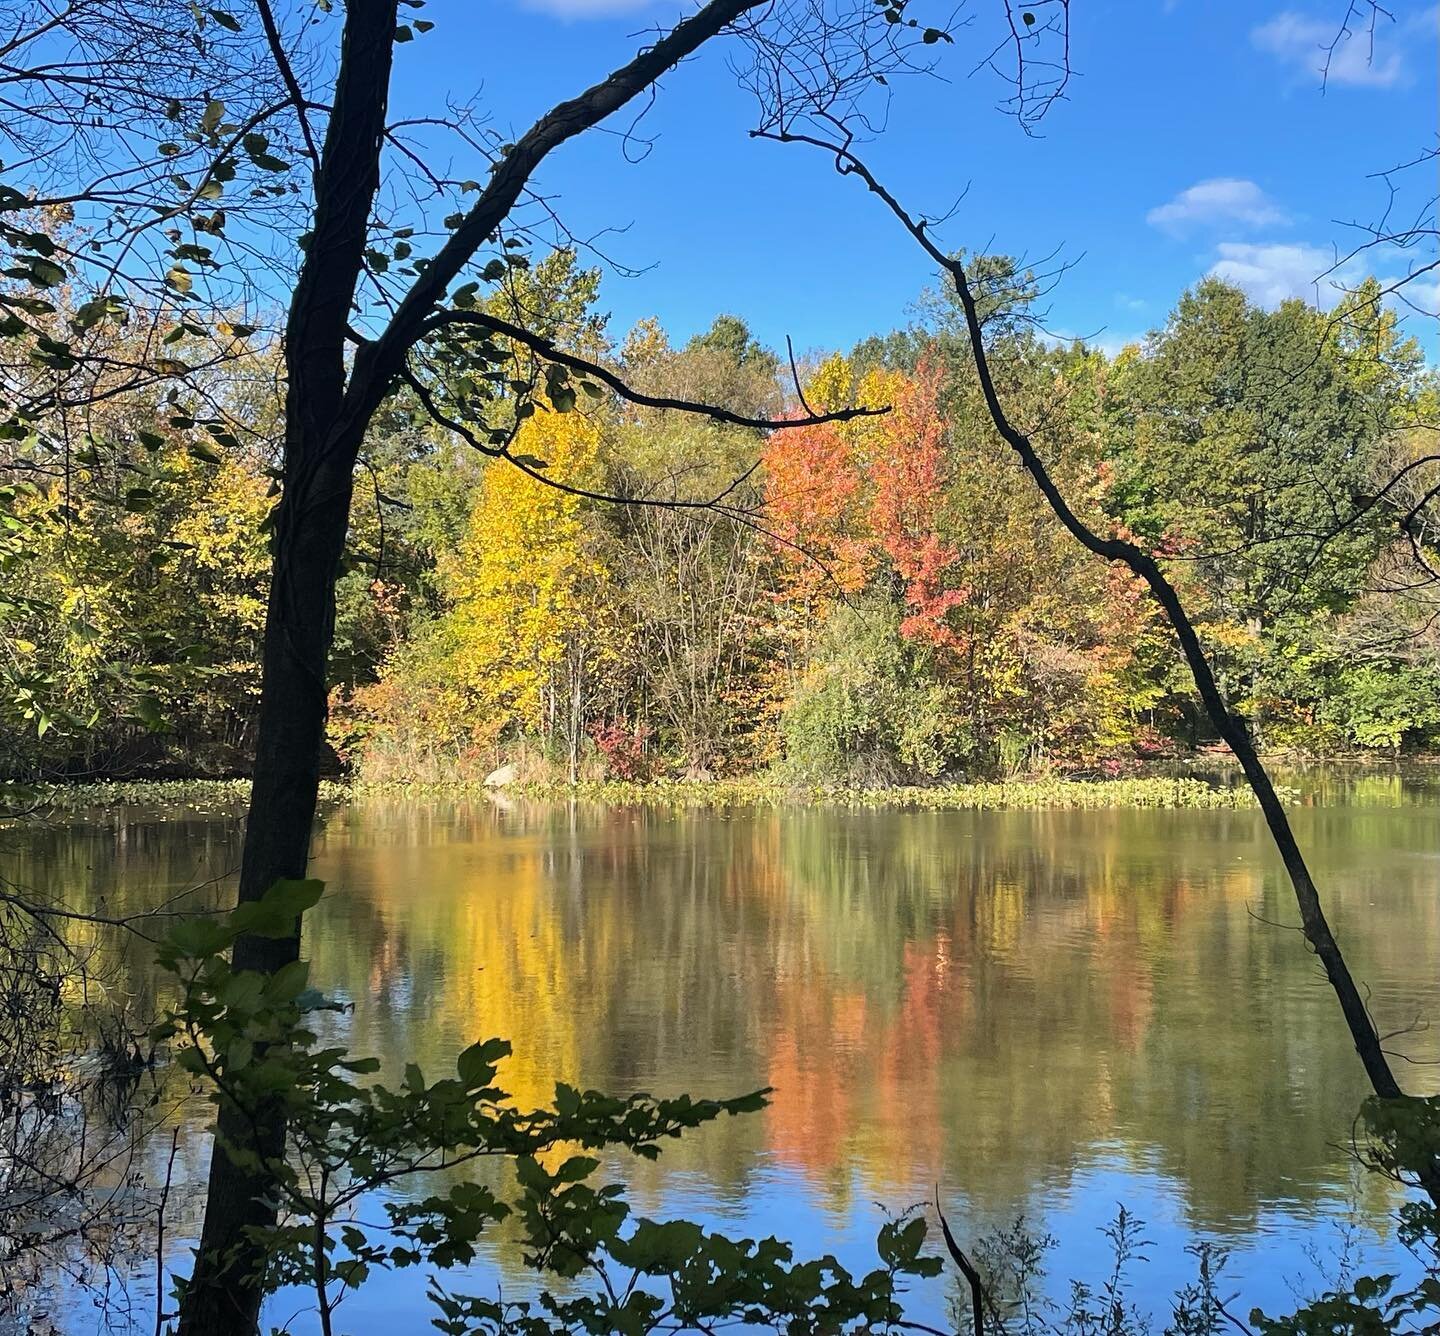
[526, 584]
[832, 386]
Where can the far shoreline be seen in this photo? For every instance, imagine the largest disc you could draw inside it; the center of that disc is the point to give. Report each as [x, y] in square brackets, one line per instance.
[1206, 782]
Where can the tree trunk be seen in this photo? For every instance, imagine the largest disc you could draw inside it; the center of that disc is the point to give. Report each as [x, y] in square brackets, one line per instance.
[225, 1291]
[323, 431]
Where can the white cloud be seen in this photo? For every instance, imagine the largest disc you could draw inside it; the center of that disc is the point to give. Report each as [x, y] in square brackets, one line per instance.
[1222, 199]
[1358, 57]
[1418, 296]
[1272, 274]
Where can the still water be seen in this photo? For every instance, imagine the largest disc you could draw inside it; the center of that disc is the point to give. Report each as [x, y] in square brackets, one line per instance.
[1045, 1013]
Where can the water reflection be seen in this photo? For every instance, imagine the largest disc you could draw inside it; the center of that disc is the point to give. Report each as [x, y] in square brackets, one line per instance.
[1052, 1010]
[982, 998]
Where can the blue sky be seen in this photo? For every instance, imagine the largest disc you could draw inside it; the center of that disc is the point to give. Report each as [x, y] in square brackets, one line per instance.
[1196, 137]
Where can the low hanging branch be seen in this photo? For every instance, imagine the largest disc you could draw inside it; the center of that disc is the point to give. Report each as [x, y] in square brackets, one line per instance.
[552, 352]
[1230, 725]
[717, 504]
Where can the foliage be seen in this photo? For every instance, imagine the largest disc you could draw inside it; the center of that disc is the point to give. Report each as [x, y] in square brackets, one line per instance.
[134, 586]
[867, 710]
[521, 644]
[881, 599]
[1249, 442]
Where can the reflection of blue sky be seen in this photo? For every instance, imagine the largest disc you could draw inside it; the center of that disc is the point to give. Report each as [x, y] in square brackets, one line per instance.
[1286, 1256]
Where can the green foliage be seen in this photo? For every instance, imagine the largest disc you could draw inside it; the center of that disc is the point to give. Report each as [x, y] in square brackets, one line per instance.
[134, 601]
[1251, 443]
[866, 710]
[729, 336]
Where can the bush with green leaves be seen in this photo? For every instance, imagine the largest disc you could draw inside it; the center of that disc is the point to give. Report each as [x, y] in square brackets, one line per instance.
[868, 710]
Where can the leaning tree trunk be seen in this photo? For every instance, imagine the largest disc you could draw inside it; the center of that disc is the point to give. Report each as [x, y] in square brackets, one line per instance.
[1233, 728]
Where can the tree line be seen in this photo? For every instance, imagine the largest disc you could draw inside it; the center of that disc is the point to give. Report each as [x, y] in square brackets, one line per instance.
[878, 599]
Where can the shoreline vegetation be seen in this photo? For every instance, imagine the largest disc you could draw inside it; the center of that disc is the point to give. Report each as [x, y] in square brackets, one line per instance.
[1207, 782]
[1019, 794]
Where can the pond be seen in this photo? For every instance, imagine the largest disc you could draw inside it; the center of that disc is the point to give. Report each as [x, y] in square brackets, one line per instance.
[1046, 1014]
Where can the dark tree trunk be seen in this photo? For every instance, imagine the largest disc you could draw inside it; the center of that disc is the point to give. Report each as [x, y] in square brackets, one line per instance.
[322, 442]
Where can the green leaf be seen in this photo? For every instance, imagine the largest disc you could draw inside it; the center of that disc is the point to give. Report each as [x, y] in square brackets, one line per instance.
[476, 1064]
[275, 912]
[198, 937]
[361, 1066]
[288, 982]
[239, 1052]
[531, 1175]
[576, 1169]
[292, 896]
[45, 273]
[242, 991]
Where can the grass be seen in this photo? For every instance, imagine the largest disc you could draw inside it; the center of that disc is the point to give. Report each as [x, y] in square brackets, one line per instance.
[221, 797]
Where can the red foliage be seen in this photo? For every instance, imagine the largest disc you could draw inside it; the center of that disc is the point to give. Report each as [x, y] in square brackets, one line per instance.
[623, 747]
[908, 474]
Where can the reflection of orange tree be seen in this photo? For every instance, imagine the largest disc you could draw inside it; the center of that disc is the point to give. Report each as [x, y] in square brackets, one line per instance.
[1059, 950]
